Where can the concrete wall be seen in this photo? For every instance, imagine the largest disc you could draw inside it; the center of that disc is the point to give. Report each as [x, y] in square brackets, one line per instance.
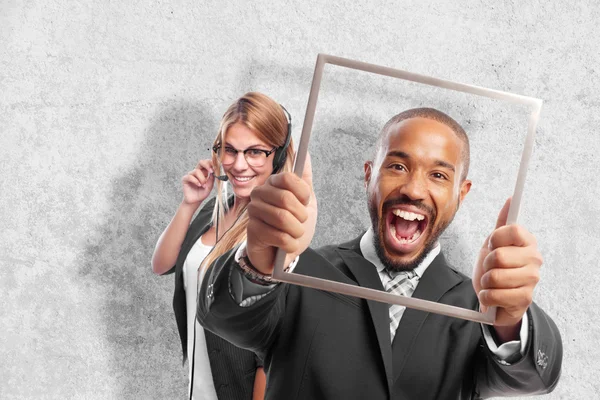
[103, 107]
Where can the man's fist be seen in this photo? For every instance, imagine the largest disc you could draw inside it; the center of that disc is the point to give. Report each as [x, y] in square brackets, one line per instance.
[507, 270]
[282, 214]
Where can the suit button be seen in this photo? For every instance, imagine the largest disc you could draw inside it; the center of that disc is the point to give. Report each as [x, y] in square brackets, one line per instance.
[210, 292]
[542, 359]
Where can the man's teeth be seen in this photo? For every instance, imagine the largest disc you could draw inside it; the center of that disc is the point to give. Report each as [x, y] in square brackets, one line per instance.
[411, 239]
[407, 215]
[243, 178]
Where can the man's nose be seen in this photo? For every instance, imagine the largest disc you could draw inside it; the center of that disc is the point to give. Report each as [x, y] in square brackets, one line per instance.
[415, 187]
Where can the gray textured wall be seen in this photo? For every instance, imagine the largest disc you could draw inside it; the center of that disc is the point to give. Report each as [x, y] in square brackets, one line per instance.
[103, 107]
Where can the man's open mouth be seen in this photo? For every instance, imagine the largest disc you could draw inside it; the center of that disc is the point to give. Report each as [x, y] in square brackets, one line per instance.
[405, 226]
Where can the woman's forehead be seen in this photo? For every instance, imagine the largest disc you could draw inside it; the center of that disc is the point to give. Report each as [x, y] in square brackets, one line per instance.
[239, 135]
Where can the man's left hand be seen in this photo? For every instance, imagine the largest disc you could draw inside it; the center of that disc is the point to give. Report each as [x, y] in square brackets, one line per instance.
[507, 270]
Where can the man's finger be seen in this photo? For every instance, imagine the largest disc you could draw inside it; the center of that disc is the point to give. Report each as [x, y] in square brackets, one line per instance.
[288, 182]
[512, 257]
[503, 215]
[281, 199]
[500, 221]
[278, 218]
[509, 299]
[291, 181]
[272, 237]
[501, 278]
[511, 235]
[307, 174]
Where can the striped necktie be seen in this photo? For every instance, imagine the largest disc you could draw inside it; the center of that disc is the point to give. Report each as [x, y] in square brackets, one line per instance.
[401, 283]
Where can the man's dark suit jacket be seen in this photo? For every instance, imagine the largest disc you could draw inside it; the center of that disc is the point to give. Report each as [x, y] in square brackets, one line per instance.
[322, 345]
[233, 369]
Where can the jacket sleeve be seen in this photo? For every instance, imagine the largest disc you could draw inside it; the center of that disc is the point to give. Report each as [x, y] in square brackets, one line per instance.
[536, 372]
[254, 327]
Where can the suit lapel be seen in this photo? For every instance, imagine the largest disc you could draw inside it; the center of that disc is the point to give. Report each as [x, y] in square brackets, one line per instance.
[366, 275]
[437, 280]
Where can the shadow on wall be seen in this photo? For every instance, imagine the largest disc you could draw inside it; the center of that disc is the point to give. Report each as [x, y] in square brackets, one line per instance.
[138, 322]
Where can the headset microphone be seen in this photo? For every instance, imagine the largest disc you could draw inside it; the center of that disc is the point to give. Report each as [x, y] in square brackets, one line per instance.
[222, 178]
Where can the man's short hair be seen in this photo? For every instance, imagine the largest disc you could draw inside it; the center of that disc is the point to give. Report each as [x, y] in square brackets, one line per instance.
[436, 115]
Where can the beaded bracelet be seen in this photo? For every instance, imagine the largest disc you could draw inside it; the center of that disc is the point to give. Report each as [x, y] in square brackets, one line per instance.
[251, 273]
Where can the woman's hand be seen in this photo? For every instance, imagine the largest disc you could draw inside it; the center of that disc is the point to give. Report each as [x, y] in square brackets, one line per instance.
[198, 183]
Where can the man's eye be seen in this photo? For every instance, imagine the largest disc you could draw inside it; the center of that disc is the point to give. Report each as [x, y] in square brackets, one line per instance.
[438, 175]
[398, 167]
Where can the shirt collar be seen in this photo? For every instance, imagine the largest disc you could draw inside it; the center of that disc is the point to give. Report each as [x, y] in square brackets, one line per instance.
[367, 248]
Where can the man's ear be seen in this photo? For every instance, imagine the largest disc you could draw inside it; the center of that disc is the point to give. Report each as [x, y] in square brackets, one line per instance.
[464, 189]
[368, 170]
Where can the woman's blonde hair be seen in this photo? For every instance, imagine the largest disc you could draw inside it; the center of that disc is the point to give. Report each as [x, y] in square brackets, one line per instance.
[267, 119]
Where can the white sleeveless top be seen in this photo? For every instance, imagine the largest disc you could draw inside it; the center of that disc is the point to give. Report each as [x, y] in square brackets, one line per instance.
[204, 388]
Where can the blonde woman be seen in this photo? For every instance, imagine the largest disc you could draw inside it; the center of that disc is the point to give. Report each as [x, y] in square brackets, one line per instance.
[253, 142]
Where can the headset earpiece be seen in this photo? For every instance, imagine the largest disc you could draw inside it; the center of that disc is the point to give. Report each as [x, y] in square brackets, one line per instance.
[280, 155]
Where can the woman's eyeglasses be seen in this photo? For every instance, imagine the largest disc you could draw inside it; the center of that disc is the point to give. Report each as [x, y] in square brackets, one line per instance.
[254, 157]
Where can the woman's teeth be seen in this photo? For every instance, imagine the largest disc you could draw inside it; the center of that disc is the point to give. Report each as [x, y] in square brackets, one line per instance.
[243, 178]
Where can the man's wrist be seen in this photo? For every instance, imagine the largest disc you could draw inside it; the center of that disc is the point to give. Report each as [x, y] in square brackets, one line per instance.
[251, 273]
[504, 334]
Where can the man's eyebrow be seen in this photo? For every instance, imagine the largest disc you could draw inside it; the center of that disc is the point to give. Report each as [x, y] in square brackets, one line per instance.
[397, 153]
[445, 164]
[402, 154]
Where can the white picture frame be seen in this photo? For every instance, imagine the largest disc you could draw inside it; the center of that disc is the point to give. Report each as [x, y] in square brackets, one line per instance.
[535, 105]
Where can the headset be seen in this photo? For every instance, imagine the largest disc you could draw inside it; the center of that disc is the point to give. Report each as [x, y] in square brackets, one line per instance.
[281, 153]
[279, 159]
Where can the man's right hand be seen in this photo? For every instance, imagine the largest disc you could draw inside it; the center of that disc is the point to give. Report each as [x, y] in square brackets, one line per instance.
[282, 214]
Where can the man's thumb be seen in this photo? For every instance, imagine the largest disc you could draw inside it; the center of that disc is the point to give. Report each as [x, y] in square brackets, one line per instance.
[307, 174]
[503, 216]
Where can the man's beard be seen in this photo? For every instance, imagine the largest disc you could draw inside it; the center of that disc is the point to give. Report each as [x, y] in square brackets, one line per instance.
[378, 233]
